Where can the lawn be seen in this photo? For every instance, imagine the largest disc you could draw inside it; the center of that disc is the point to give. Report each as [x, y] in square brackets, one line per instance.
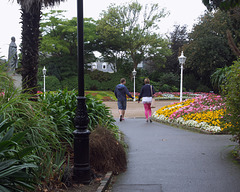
[102, 95]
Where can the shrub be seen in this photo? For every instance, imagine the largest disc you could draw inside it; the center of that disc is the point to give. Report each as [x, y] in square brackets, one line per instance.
[231, 90]
[109, 83]
[70, 83]
[165, 88]
[99, 114]
[203, 88]
[99, 76]
[52, 83]
[29, 117]
[61, 107]
[16, 163]
[190, 82]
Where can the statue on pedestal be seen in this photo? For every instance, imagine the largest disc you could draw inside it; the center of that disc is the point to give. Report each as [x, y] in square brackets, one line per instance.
[12, 56]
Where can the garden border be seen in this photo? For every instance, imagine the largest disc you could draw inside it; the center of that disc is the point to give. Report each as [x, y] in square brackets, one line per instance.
[105, 182]
[194, 129]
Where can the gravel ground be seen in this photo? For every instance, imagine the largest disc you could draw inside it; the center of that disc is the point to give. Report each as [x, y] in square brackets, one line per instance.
[135, 109]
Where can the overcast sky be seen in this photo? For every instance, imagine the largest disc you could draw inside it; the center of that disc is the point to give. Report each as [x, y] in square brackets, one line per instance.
[183, 12]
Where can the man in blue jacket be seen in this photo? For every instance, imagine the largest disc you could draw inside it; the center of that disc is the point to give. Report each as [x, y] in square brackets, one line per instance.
[120, 92]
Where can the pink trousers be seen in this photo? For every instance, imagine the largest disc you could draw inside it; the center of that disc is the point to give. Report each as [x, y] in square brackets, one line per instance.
[148, 110]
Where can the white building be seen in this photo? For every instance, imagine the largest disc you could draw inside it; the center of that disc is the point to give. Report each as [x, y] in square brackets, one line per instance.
[107, 67]
[102, 66]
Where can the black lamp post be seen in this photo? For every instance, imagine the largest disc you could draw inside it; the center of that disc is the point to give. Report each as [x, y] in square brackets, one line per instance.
[81, 169]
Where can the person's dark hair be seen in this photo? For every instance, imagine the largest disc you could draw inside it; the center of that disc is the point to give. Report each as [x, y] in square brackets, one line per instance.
[147, 81]
[122, 80]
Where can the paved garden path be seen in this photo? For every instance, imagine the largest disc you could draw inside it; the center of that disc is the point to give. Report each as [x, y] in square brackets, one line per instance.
[135, 109]
[162, 158]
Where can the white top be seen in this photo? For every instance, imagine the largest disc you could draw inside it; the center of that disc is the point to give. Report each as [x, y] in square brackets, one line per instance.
[147, 100]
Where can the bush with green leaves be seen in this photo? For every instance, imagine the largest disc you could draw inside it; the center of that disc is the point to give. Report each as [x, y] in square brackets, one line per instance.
[16, 163]
[231, 90]
[61, 107]
[100, 76]
[48, 125]
[28, 116]
[52, 83]
[190, 82]
[100, 115]
[108, 81]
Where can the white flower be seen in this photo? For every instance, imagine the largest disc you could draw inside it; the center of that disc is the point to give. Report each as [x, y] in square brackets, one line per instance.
[190, 123]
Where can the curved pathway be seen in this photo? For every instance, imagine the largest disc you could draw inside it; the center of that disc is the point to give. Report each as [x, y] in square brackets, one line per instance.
[135, 109]
[162, 158]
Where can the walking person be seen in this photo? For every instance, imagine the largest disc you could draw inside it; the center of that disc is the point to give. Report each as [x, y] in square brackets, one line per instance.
[146, 94]
[120, 92]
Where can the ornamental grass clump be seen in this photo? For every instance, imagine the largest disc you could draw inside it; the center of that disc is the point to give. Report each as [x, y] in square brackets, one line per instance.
[106, 152]
[203, 112]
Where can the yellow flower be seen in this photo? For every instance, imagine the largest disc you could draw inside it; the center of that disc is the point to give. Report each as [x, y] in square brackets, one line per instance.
[210, 117]
[168, 110]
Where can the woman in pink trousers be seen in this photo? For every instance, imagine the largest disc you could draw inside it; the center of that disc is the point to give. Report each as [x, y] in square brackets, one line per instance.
[146, 94]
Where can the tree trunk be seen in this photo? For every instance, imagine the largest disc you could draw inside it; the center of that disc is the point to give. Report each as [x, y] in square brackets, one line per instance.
[30, 47]
[231, 44]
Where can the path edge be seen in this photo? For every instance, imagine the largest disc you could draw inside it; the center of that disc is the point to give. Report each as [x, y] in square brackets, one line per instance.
[105, 182]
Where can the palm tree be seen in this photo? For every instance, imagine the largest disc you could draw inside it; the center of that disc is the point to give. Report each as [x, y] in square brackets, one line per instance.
[218, 78]
[31, 15]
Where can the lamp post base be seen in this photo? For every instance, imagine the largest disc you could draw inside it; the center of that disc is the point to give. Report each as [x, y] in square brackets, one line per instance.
[81, 170]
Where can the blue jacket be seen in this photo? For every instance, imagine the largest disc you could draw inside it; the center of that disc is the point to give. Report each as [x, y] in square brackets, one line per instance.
[146, 91]
[121, 91]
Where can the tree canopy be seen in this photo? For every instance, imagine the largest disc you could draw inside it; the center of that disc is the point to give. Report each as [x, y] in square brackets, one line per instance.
[59, 35]
[59, 43]
[222, 4]
[178, 37]
[129, 32]
[208, 47]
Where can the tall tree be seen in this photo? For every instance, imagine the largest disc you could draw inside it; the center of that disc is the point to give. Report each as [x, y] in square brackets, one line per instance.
[59, 43]
[233, 33]
[177, 38]
[232, 7]
[59, 35]
[31, 14]
[208, 48]
[123, 33]
[222, 4]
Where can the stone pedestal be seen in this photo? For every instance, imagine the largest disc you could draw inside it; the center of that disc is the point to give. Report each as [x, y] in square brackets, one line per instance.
[17, 80]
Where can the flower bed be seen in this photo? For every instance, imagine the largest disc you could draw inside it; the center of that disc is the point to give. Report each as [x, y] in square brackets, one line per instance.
[202, 112]
[172, 95]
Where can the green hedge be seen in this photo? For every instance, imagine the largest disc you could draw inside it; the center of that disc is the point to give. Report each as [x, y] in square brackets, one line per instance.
[231, 90]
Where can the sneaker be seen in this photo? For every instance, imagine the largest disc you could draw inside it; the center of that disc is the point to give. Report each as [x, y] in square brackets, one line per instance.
[147, 120]
[120, 117]
[150, 120]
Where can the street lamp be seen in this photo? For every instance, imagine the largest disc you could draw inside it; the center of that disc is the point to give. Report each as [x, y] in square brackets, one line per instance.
[44, 75]
[134, 75]
[81, 169]
[181, 60]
